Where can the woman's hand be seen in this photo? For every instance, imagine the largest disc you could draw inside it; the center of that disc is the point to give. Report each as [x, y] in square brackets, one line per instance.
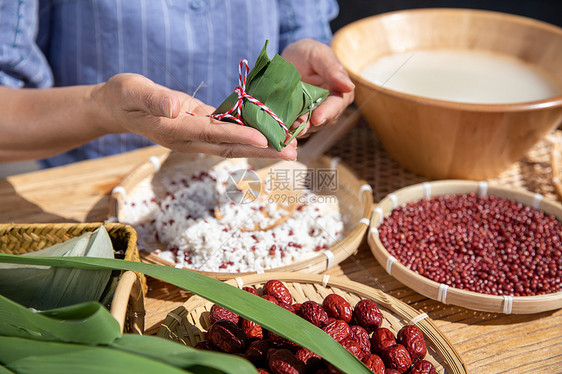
[137, 105]
[39, 123]
[320, 67]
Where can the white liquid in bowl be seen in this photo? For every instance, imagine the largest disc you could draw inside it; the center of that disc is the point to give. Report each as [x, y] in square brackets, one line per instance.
[463, 76]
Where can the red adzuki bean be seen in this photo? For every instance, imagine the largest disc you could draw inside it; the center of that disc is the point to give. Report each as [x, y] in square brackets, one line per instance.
[485, 244]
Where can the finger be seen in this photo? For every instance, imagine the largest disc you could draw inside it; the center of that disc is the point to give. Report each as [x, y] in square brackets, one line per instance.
[146, 96]
[330, 109]
[304, 136]
[299, 121]
[204, 129]
[304, 131]
[240, 150]
[170, 107]
[197, 107]
[179, 101]
[172, 101]
[332, 71]
[302, 119]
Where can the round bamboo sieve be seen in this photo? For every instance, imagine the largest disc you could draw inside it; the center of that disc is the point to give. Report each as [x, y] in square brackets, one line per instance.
[187, 324]
[450, 295]
[354, 196]
[127, 305]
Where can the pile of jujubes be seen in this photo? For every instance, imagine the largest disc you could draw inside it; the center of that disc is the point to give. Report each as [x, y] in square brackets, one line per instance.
[357, 328]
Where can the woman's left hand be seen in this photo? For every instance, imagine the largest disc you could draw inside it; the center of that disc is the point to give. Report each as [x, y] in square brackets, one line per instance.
[320, 67]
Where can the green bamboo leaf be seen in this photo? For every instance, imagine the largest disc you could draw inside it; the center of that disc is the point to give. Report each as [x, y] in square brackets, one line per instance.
[261, 64]
[25, 356]
[313, 96]
[88, 323]
[23, 323]
[276, 86]
[182, 356]
[241, 302]
[18, 322]
[4, 370]
[264, 123]
[298, 130]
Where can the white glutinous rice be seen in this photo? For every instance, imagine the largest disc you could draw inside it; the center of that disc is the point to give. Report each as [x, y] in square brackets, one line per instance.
[180, 214]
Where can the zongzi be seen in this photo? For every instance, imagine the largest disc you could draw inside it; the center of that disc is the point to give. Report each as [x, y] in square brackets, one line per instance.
[270, 98]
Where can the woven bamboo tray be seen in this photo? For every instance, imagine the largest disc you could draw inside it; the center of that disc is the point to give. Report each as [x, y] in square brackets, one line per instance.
[354, 196]
[450, 295]
[187, 324]
[127, 305]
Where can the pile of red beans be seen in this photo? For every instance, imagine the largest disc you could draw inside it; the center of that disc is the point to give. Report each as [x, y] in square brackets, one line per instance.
[487, 244]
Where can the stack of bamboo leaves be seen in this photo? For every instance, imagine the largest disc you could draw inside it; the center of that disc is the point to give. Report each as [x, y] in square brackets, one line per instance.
[45, 287]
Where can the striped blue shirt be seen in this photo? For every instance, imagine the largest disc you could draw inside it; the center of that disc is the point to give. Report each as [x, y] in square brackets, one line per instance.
[186, 45]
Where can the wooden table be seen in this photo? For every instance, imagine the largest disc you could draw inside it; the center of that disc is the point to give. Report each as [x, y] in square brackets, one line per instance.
[487, 342]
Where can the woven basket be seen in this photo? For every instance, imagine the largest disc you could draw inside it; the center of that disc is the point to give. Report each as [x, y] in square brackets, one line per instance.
[127, 304]
[354, 195]
[450, 295]
[187, 324]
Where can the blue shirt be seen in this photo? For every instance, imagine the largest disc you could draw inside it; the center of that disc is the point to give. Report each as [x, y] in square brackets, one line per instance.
[186, 45]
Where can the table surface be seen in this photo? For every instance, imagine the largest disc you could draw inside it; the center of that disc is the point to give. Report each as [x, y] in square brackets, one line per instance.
[487, 342]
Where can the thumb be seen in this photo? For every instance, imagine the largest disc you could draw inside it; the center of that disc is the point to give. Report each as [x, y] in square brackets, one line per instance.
[330, 68]
[169, 106]
[337, 78]
[156, 100]
[161, 103]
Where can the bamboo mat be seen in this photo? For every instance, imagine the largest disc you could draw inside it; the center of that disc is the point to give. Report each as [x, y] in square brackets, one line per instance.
[365, 154]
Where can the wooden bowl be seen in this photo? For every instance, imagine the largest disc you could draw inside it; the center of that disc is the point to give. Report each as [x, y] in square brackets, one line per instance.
[354, 196]
[451, 295]
[445, 139]
[188, 323]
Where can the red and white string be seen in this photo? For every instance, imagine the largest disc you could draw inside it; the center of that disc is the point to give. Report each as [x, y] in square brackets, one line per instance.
[235, 113]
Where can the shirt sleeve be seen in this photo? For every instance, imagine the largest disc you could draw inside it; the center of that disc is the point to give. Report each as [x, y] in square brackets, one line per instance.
[300, 19]
[22, 64]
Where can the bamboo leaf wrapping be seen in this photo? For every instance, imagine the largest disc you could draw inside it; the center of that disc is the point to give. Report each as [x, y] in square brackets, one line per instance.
[277, 84]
